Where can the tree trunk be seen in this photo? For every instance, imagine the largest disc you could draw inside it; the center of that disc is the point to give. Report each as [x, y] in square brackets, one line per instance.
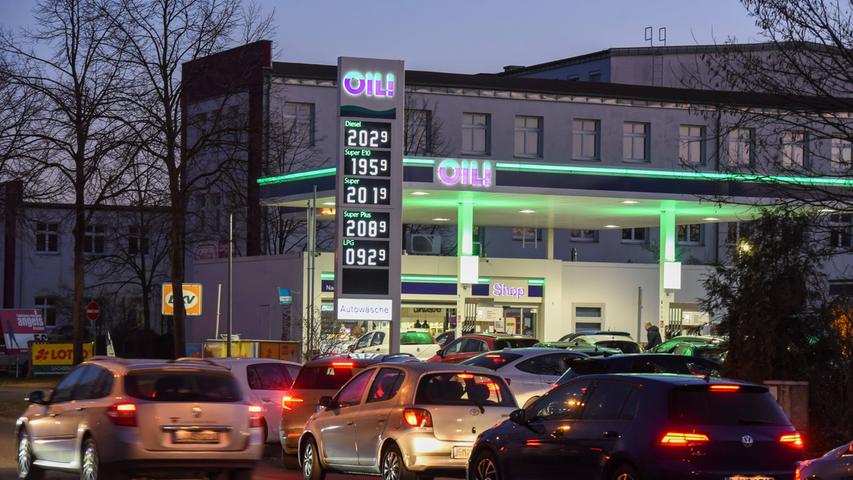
[176, 255]
[79, 264]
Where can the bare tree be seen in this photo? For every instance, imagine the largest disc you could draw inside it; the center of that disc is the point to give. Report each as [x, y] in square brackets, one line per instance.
[78, 77]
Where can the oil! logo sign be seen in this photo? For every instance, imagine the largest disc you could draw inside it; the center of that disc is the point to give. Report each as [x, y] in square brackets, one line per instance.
[192, 299]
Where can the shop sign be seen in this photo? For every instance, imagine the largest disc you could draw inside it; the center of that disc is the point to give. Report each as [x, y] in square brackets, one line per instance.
[470, 173]
[192, 299]
[52, 358]
[285, 296]
[364, 309]
[502, 290]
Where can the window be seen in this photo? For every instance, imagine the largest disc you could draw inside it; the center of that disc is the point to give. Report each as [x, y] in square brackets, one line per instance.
[190, 387]
[65, 388]
[585, 139]
[137, 241]
[474, 345]
[323, 377]
[842, 154]
[378, 338]
[299, 123]
[583, 235]
[351, 394]
[95, 382]
[452, 388]
[528, 136]
[492, 361]
[553, 364]
[595, 76]
[385, 386]
[573, 77]
[47, 237]
[419, 134]
[48, 307]
[839, 230]
[606, 401]
[794, 149]
[588, 317]
[633, 235]
[691, 144]
[268, 376]
[738, 231]
[690, 234]
[740, 146]
[561, 404]
[635, 142]
[94, 239]
[364, 341]
[455, 346]
[476, 133]
[695, 405]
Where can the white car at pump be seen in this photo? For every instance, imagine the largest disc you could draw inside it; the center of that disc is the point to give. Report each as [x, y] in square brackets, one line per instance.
[418, 343]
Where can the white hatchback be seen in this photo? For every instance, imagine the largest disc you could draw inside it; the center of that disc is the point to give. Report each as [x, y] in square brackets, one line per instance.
[418, 343]
[529, 372]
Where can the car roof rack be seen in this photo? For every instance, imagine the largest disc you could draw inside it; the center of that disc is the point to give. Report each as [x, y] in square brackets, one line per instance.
[203, 361]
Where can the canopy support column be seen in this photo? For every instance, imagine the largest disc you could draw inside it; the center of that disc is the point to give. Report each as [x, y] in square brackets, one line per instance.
[670, 269]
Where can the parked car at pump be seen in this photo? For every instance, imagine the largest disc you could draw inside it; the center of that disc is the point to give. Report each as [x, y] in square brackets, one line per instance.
[404, 421]
[469, 346]
[113, 419]
[641, 363]
[317, 378]
[670, 345]
[528, 371]
[418, 343]
[620, 342]
[264, 382]
[711, 351]
[642, 427]
[445, 338]
[571, 336]
[837, 464]
[590, 351]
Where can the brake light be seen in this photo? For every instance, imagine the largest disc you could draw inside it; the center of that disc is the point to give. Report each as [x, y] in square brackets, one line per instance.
[683, 439]
[792, 439]
[288, 402]
[464, 376]
[256, 416]
[724, 388]
[123, 414]
[343, 364]
[417, 417]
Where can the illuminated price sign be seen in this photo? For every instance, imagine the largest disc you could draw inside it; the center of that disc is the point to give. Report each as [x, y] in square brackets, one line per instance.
[366, 224]
[367, 191]
[365, 162]
[358, 133]
[365, 253]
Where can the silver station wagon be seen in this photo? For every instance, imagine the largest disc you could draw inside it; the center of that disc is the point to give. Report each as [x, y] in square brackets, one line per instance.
[404, 421]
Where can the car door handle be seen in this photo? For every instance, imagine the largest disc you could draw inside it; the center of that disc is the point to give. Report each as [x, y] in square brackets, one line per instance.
[611, 434]
[350, 423]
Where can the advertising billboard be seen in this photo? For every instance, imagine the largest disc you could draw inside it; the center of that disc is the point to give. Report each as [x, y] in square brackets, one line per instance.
[20, 328]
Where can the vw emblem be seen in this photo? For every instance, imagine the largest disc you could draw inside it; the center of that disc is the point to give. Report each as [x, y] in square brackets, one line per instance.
[196, 412]
[747, 441]
[474, 412]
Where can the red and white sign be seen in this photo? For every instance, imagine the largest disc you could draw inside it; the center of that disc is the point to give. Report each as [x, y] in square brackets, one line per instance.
[20, 327]
[93, 311]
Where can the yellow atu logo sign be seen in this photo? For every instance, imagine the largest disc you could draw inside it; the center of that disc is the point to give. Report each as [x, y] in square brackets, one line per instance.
[192, 299]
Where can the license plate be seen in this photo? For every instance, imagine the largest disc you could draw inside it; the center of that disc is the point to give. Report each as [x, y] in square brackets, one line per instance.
[196, 436]
[461, 452]
[749, 477]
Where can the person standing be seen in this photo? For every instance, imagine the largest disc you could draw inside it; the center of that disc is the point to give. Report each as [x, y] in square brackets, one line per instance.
[652, 336]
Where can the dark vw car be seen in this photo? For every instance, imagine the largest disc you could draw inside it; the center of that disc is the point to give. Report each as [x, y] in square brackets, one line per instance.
[629, 427]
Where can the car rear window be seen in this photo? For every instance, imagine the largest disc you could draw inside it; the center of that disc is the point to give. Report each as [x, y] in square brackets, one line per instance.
[269, 376]
[459, 388]
[626, 347]
[492, 361]
[416, 338]
[184, 386]
[747, 406]
[323, 377]
[515, 343]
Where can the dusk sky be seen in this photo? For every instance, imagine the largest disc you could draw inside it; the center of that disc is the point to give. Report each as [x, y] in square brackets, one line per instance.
[477, 35]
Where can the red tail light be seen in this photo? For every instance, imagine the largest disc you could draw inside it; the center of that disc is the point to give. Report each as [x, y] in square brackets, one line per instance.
[123, 414]
[289, 402]
[683, 439]
[792, 439]
[256, 416]
[417, 417]
[343, 364]
[724, 388]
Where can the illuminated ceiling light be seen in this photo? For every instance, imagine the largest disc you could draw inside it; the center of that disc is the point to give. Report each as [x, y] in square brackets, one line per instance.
[440, 219]
[329, 204]
[420, 194]
[612, 226]
[711, 219]
[327, 211]
[527, 211]
[630, 202]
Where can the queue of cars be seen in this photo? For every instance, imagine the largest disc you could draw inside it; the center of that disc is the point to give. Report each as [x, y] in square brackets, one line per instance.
[484, 406]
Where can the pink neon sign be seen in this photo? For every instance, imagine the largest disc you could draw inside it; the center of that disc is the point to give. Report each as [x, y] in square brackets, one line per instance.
[370, 84]
[465, 172]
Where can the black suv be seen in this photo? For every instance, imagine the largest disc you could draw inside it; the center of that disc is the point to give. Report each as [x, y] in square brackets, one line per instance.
[621, 427]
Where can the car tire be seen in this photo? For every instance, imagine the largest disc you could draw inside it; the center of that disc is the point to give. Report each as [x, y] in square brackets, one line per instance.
[90, 461]
[485, 467]
[392, 466]
[25, 468]
[312, 469]
[625, 472]
[290, 462]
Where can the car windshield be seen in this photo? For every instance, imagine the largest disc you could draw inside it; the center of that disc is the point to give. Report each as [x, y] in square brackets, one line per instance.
[459, 388]
[748, 406]
[184, 386]
[492, 361]
[625, 347]
[582, 367]
[416, 338]
[502, 343]
[324, 377]
[269, 376]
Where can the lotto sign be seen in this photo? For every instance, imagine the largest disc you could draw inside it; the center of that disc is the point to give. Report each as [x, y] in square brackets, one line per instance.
[192, 299]
[51, 358]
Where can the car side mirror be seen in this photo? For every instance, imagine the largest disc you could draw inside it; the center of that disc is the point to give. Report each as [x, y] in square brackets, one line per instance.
[518, 416]
[530, 401]
[441, 353]
[37, 397]
[327, 402]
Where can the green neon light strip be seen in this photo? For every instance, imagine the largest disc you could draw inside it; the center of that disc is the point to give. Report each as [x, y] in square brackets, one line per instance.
[292, 177]
[327, 276]
[428, 162]
[681, 175]
[536, 281]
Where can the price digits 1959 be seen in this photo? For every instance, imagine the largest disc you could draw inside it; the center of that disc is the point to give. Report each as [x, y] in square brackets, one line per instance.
[367, 163]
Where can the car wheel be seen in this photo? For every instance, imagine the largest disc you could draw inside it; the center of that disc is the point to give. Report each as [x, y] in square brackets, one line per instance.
[625, 472]
[26, 469]
[89, 461]
[311, 468]
[485, 467]
[291, 462]
[392, 466]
